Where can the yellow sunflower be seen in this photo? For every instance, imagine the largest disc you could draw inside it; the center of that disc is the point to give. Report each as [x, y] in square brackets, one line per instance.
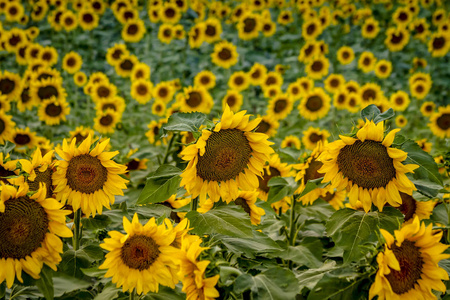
[39, 171]
[370, 169]
[103, 91]
[291, 141]
[268, 125]
[340, 99]
[280, 106]
[408, 268]
[23, 138]
[140, 71]
[166, 33]
[311, 29]
[370, 28]
[247, 200]
[439, 44]
[126, 64]
[169, 13]
[345, 55]
[213, 30]
[80, 78]
[196, 99]
[440, 122]
[5, 105]
[313, 135]
[366, 61]
[239, 81]
[87, 18]
[334, 83]
[308, 51]
[32, 225]
[399, 101]
[401, 121]
[383, 69]
[143, 258]
[233, 99]
[133, 31]
[224, 55]
[10, 85]
[225, 159]
[249, 26]
[315, 104]
[427, 108]
[68, 20]
[268, 28]
[88, 179]
[163, 91]
[105, 122]
[272, 79]
[274, 168]
[52, 111]
[197, 35]
[6, 127]
[72, 62]
[158, 108]
[47, 89]
[114, 54]
[396, 38]
[206, 79]
[141, 90]
[80, 134]
[317, 67]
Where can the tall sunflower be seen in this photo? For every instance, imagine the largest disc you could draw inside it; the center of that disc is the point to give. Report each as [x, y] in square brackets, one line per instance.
[370, 169]
[52, 111]
[31, 224]
[196, 99]
[143, 258]
[315, 104]
[440, 122]
[224, 55]
[225, 159]
[105, 122]
[408, 268]
[88, 178]
[280, 106]
[39, 171]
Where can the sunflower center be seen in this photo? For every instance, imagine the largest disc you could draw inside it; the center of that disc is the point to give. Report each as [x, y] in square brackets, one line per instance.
[162, 92]
[126, 65]
[22, 139]
[5, 173]
[419, 88]
[132, 29]
[311, 29]
[396, 38]
[86, 174]
[408, 207]
[139, 252]
[438, 43]
[334, 83]
[249, 25]
[142, 90]
[317, 66]
[109, 105]
[263, 127]
[53, 110]
[238, 80]
[403, 16]
[399, 100]
[420, 28]
[267, 27]
[328, 197]
[366, 164]
[2, 126]
[194, 100]
[23, 225]
[369, 94]
[106, 120]
[204, 80]
[345, 55]
[117, 54]
[71, 62]
[7, 86]
[370, 28]
[103, 92]
[241, 202]
[225, 54]
[25, 96]
[443, 121]
[227, 153]
[45, 177]
[411, 264]
[383, 68]
[88, 18]
[256, 74]
[314, 103]
[132, 165]
[280, 105]
[210, 30]
[311, 172]
[47, 92]
[231, 101]
[263, 182]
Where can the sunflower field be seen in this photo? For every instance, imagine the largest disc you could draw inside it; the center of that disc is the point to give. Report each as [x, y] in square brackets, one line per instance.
[236, 149]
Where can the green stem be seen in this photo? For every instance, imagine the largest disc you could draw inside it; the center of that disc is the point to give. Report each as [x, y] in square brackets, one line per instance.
[76, 230]
[194, 204]
[292, 227]
[166, 154]
[133, 295]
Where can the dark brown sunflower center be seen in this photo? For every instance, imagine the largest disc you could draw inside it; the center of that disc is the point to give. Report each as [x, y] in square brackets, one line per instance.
[225, 54]
[314, 137]
[317, 66]
[205, 80]
[311, 29]
[2, 126]
[142, 90]
[411, 264]
[328, 197]
[117, 54]
[53, 110]
[162, 92]
[366, 164]
[210, 30]
[103, 92]
[194, 100]
[369, 94]
[47, 92]
[314, 103]
[227, 153]
[267, 27]
[408, 207]
[5, 173]
[399, 100]
[403, 16]
[397, 38]
[256, 74]
[132, 165]
[231, 101]
[7, 86]
[271, 80]
[345, 55]
[170, 12]
[263, 127]
[71, 62]
[383, 68]
[238, 80]
[419, 88]
[68, 21]
[370, 28]
[139, 252]
[438, 43]
[334, 83]
[341, 98]
[126, 65]
[88, 18]
[106, 120]
[86, 174]
[243, 203]
[109, 105]
[263, 182]
[132, 29]
[280, 105]
[311, 172]
[443, 121]
[367, 61]
[25, 96]
[249, 25]
[22, 139]
[23, 226]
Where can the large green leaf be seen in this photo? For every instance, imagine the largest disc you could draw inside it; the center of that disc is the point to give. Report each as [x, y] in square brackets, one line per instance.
[228, 220]
[281, 187]
[272, 284]
[45, 283]
[302, 256]
[185, 121]
[93, 272]
[165, 293]
[371, 112]
[261, 243]
[110, 291]
[98, 222]
[309, 278]
[64, 284]
[319, 210]
[350, 229]
[161, 185]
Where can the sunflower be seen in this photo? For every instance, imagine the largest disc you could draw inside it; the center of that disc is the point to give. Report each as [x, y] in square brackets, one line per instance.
[225, 159]
[402, 16]
[31, 224]
[427, 108]
[80, 78]
[179, 32]
[239, 81]
[88, 179]
[366, 62]
[285, 17]
[420, 89]
[192, 271]
[249, 26]
[197, 35]
[117, 104]
[439, 44]
[383, 69]
[305, 83]
[106, 121]
[440, 122]
[115, 53]
[408, 268]
[126, 65]
[206, 79]
[21, 54]
[133, 31]
[233, 99]
[140, 71]
[419, 63]
[370, 28]
[158, 108]
[72, 62]
[439, 16]
[313, 135]
[40, 9]
[163, 91]
[370, 93]
[69, 20]
[314, 105]
[169, 13]
[52, 111]
[213, 30]
[399, 101]
[280, 106]
[49, 55]
[274, 168]
[420, 28]
[345, 55]
[340, 99]
[370, 169]
[334, 83]
[24, 101]
[8, 167]
[311, 29]
[268, 28]
[14, 11]
[5, 105]
[268, 126]
[12, 40]
[80, 134]
[23, 138]
[317, 67]
[294, 90]
[196, 99]
[39, 171]
[103, 91]
[6, 127]
[10, 85]
[291, 141]
[396, 38]
[272, 79]
[87, 18]
[166, 33]
[401, 121]
[47, 89]
[224, 54]
[154, 131]
[247, 200]
[141, 90]
[127, 14]
[143, 258]
[425, 145]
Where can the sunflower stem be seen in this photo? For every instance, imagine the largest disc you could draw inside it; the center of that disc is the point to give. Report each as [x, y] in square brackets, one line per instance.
[292, 227]
[194, 204]
[76, 230]
[133, 295]
[166, 155]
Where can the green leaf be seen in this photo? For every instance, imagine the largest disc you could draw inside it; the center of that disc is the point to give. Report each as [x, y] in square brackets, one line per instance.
[275, 283]
[185, 121]
[384, 116]
[228, 275]
[93, 272]
[302, 256]
[98, 222]
[95, 252]
[319, 210]
[350, 229]
[228, 220]
[64, 284]
[281, 187]
[165, 293]
[7, 148]
[309, 278]
[72, 261]
[440, 214]
[2, 289]
[110, 291]
[312, 185]
[261, 243]
[370, 112]
[45, 283]
[161, 185]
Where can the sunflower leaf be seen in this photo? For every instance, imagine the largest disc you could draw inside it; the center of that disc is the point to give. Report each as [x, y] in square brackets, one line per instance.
[228, 220]
[384, 116]
[7, 147]
[281, 187]
[185, 122]
[370, 112]
[45, 283]
[163, 183]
